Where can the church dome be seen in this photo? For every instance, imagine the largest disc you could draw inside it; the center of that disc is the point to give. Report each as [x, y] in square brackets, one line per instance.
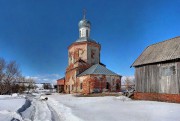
[84, 23]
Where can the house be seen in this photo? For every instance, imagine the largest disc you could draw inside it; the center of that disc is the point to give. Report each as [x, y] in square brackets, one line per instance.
[85, 73]
[157, 72]
[60, 85]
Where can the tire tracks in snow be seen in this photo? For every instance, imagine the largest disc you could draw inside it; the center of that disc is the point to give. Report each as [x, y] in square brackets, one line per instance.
[54, 115]
[44, 112]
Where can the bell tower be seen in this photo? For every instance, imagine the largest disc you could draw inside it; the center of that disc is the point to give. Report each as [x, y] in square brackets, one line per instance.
[84, 47]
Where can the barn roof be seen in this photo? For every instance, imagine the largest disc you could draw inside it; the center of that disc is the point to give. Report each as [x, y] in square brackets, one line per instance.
[159, 52]
[98, 69]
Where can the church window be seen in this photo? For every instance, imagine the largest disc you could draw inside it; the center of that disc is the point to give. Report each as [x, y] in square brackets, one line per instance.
[83, 32]
[81, 86]
[80, 33]
[80, 52]
[92, 54]
[70, 58]
[86, 33]
[113, 81]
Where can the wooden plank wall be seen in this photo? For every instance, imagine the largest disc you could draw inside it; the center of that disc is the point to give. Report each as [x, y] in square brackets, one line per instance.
[149, 79]
[178, 74]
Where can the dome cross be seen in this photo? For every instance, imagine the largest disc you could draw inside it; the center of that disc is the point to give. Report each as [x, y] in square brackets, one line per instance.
[84, 13]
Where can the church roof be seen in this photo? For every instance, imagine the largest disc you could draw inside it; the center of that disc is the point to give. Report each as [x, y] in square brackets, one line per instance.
[98, 69]
[159, 52]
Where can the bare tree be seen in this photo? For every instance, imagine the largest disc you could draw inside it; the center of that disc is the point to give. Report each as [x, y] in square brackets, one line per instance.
[18, 86]
[12, 74]
[2, 75]
[11, 79]
[2, 68]
[129, 82]
[30, 83]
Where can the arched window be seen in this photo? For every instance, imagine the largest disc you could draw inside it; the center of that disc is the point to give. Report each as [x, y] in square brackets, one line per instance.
[86, 33]
[81, 86]
[80, 34]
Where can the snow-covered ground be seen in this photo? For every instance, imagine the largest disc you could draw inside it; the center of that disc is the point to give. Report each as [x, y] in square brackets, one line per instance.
[9, 106]
[69, 108]
[112, 109]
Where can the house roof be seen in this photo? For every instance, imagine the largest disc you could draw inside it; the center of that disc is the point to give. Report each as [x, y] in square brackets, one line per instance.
[98, 69]
[159, 52]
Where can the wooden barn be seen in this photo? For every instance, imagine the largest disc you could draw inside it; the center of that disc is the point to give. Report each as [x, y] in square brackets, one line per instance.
[157, 72]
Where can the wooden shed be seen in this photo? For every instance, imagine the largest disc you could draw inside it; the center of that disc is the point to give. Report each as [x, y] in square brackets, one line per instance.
[157, 72]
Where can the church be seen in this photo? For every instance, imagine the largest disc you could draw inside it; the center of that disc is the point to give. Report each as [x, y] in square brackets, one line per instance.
[85, 73]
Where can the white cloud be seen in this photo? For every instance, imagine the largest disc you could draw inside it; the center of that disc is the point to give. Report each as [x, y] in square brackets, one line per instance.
[124, 77]
[49, 78]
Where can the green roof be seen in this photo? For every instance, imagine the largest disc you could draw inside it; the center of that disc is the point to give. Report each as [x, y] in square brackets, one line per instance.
[99, 70]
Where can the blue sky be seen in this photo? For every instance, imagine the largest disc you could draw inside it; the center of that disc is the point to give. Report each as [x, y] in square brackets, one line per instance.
[36, 33]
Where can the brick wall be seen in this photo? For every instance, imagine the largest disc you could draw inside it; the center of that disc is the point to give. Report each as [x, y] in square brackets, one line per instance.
[60, 81]
[175, 98]
[91, 83]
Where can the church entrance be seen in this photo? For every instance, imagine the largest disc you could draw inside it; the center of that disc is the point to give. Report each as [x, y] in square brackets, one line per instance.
[107, 85]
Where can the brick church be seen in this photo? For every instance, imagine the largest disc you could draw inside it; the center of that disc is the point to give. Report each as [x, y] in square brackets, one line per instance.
[85, 73]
